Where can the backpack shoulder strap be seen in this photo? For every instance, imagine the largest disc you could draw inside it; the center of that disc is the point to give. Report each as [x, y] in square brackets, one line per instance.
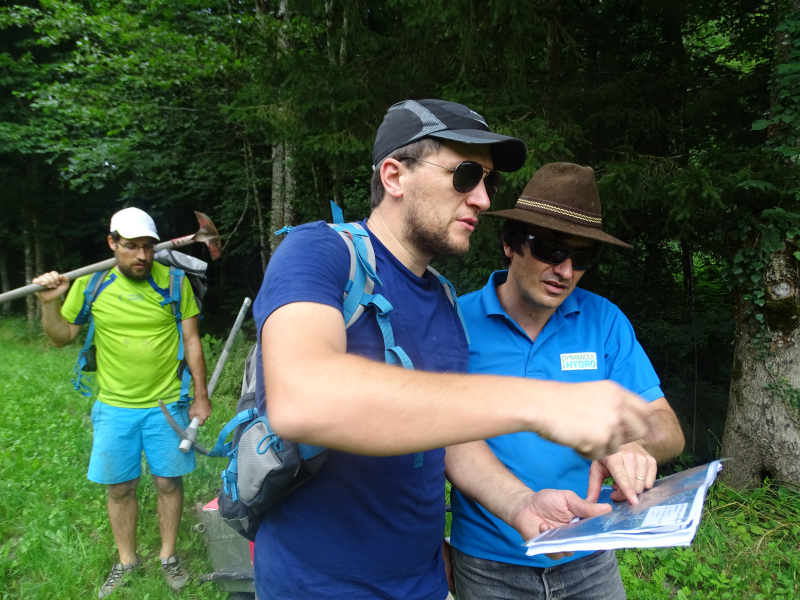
[450, 292]
[336, 212]
[173, 296]
[358, 293]
[362, 277]
[94, 288]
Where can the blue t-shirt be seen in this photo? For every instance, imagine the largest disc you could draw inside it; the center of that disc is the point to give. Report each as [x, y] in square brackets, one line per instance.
[586, 339]
[363, 526]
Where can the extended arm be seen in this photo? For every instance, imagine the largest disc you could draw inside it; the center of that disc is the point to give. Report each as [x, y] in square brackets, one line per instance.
[634, 467]
[193, 351]
[478, 474]
[58, 330]
[671, 443]
[319, 394]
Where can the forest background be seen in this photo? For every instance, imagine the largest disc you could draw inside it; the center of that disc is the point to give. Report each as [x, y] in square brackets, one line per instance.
[258, 113]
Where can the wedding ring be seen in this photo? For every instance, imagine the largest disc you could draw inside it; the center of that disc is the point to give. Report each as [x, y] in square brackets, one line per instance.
[640, 478]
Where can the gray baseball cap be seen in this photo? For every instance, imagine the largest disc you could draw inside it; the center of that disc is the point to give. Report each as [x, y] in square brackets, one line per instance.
[412, 120]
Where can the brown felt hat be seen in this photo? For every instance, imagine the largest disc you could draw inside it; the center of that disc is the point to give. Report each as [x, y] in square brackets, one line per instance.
[562, 197]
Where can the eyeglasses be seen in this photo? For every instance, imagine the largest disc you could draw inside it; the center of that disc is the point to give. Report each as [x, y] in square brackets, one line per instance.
[555, 254]
[133, 248]
[468, 174]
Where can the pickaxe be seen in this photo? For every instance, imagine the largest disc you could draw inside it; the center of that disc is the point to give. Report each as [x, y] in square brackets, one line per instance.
[189, 436]
[181, 433]
[207, 234]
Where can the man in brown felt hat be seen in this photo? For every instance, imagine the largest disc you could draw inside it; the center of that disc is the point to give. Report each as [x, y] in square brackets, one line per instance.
[532, 321]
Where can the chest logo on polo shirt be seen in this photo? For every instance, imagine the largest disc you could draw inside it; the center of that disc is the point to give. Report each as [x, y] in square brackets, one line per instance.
[580, 361]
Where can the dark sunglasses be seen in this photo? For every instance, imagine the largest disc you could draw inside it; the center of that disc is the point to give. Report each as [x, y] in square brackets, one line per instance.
[555, 254]
[468, 174]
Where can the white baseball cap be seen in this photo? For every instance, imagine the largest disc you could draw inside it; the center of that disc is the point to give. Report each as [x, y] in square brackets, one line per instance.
[133, 223]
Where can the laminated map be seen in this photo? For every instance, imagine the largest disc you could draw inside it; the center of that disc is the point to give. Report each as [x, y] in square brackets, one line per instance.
[668, 514]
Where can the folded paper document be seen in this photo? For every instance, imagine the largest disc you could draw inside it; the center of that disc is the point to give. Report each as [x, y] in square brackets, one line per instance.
[667, 515]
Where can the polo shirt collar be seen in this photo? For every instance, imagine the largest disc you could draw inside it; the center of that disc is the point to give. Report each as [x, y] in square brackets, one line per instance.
[492, 306]
[489, 299]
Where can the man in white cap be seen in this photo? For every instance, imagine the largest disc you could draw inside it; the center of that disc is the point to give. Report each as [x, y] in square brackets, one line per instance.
[137, 343]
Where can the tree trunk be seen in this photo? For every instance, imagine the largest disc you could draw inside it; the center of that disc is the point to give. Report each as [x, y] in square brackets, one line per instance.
[762, 432]
[283, 192]
[5, 284]
[553, 58]
[687, 260]
[283, 179]
[278, 193]
[30, 300]
[329, 26]
[343, 42]
[290, 187]
[38, 260]
[253, 185]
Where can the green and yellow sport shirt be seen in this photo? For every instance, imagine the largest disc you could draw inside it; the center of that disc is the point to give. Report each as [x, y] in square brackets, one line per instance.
[136, 338]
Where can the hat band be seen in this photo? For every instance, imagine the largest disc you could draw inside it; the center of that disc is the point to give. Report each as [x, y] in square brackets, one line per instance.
[566, 213]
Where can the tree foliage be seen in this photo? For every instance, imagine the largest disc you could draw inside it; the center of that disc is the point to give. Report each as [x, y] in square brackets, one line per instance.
[174, 105]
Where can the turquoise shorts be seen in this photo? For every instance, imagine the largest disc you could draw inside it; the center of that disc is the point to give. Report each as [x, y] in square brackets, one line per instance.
[120, 435]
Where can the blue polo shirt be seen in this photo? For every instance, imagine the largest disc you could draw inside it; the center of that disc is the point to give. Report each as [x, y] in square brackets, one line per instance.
[586, 339]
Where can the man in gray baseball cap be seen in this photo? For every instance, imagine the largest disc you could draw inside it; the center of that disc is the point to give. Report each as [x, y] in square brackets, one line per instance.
[369, 523]
[412, 120]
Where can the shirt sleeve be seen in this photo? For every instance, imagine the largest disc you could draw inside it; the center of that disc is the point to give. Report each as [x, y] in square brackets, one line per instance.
[188, 302]
[626, 361]
[74, 302]
[311, 265]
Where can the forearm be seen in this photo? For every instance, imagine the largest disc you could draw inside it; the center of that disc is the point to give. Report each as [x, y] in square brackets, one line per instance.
[193, 351]
[477, 473]
[671, 442]
[362, 406]
[56, 327]
[318, 394]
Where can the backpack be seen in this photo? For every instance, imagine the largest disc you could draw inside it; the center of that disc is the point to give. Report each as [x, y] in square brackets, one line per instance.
[180, 266]
[263, 468]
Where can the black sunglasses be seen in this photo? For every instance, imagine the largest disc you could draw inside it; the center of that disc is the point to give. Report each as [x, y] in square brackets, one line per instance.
[555, 254]
[468, 174]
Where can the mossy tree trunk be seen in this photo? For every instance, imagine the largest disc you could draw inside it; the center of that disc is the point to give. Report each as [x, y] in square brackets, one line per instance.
[762, 430]
[283, 192]
[283, 168]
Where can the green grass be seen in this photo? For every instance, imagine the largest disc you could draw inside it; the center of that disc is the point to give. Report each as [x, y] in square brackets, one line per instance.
[747, 547]
[55, 540]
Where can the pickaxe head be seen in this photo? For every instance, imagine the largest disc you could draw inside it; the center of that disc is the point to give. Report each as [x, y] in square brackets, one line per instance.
[208, 235]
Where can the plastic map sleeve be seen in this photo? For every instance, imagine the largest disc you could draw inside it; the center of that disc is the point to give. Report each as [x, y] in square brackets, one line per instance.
[668, 514]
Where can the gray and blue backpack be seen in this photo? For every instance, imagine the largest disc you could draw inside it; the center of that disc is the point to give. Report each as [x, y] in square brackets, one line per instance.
[263, 468]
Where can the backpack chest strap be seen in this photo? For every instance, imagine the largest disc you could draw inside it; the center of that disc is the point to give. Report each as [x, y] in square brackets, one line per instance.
[393, 353]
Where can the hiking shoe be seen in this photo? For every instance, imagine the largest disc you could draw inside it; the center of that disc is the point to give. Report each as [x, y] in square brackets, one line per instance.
[116, 579]
[175, 574]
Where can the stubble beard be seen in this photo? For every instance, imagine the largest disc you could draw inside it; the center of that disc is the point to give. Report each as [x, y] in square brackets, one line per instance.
[431, 238]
